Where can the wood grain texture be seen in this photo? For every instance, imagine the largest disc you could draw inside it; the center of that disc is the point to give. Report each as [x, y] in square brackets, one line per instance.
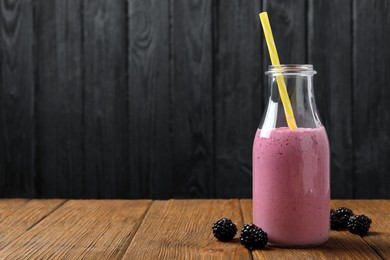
[330, 51]
[59, 99]
[181, 229]
[378, 236]
[160, 99]
[81, 229]
[174, 229]
[341, 245]
[150, 155]
[16, 99]
[17, 216]
[238, 99]
[9, 206]
[106, 100]
[192, 99]
[371, 94]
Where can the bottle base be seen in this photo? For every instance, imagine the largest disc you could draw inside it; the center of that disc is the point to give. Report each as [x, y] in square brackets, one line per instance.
[283, 245]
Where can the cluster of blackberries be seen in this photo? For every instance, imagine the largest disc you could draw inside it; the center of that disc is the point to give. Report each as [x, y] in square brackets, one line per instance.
[343, 218]
[252, 237]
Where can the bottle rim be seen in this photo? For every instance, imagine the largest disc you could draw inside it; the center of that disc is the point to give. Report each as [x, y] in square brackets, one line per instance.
[291, 69]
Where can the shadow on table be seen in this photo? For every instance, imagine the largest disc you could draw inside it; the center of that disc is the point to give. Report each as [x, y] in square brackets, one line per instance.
[344, 243]
[373, 234]
[338, 241]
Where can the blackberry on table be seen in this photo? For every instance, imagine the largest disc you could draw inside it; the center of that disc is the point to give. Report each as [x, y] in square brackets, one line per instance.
[343, 214]
[253, 237]
[335, 222]
[224, 229]
[359, 224]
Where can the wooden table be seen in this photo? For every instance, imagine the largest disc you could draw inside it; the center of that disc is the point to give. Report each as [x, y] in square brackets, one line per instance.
[173, 229]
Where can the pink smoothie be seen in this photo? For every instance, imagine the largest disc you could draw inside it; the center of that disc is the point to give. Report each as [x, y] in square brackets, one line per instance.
[291, 197]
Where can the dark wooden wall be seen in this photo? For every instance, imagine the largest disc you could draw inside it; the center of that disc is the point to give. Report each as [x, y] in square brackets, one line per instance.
[161, 99]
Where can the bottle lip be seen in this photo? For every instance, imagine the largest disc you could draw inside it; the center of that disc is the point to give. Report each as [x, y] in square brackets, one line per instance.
[291, 69]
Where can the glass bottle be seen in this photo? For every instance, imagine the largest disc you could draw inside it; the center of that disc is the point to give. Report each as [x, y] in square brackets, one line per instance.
[291, 186]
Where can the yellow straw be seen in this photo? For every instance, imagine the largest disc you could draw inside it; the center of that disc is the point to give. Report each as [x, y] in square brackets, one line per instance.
[279, 79]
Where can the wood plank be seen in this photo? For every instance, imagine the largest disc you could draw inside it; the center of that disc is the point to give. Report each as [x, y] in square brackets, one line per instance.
[238, 94]
[378, 236]
[330, 51]
[81, 229]
[371, 110]
[181, 229]
[150, 155]
[19, 215]
[192, 99]
[16, 99]
[106, 101]
[341, 245]
[9, 206]
[59, 99]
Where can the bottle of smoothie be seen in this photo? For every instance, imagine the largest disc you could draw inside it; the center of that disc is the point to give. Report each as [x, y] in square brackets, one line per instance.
[291, 194]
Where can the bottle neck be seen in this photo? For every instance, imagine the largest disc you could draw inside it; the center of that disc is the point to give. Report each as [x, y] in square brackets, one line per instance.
[300, 91]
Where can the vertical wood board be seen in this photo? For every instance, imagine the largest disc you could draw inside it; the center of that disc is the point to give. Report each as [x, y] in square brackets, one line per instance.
[192, 99]
[150, 155]
[17, 166]
[371, 95]
[238, 89]
[105, 99]
[330, 52]
[59, 102]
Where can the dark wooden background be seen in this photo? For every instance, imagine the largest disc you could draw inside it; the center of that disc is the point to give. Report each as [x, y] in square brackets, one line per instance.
[161, 99]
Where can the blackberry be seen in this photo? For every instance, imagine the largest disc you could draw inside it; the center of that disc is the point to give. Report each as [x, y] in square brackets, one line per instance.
[359, 224]
[335, 221]
[343, 214]
[224, 229]
[253, 237]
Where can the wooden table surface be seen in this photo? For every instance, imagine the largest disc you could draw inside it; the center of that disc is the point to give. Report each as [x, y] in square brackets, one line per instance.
[173, 229]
